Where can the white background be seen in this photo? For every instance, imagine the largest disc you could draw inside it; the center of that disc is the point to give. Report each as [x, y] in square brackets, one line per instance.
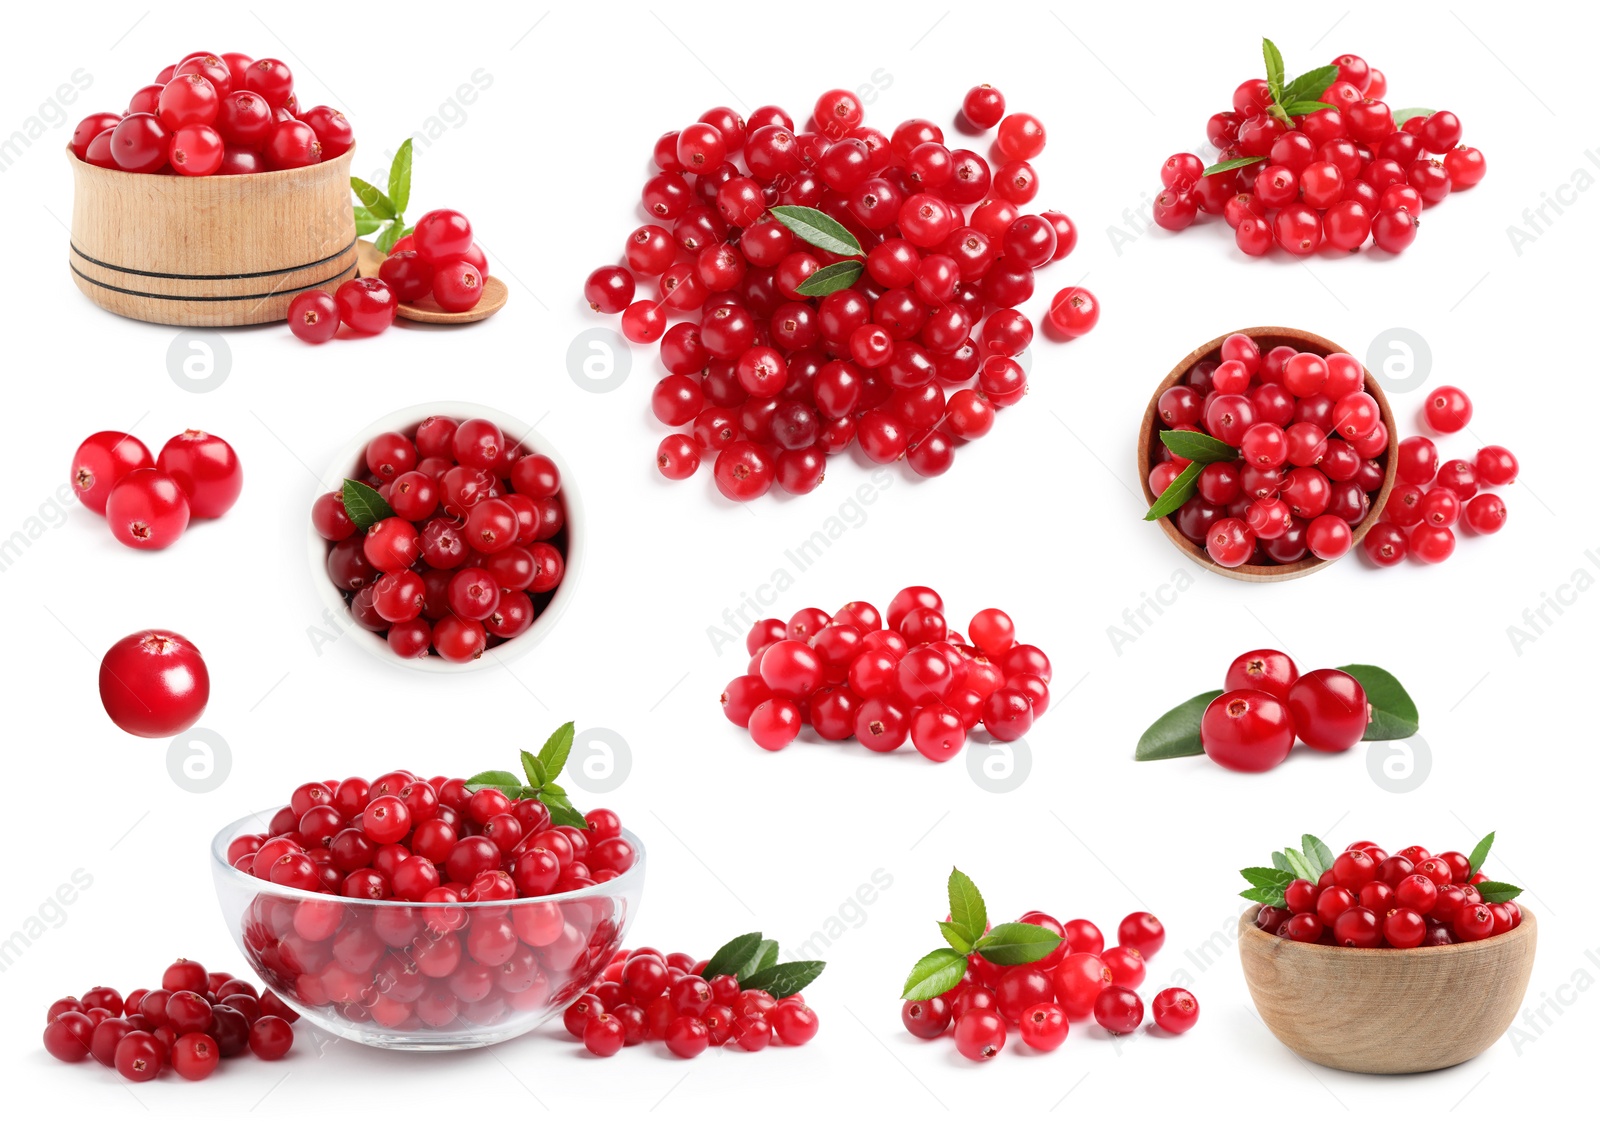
[1041, 519]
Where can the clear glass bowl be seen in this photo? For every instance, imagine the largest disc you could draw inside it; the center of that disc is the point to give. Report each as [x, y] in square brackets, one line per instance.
[424, 977]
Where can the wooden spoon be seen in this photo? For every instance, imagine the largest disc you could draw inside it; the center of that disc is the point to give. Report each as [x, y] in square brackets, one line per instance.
[370, 259]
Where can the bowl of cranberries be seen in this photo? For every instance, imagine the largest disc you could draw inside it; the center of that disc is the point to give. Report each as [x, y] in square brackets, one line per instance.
[421, 914]
[1387, 963]
[1293, 450]
[213, 198]
[445, 533]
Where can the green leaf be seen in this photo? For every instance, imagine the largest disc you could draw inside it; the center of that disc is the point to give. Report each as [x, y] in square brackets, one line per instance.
[1177, 731]
[556, 750]
[533, 769]
[1176, 494]
[1311, 85]
[1317, 853]
[1273, 896]
[732, 955]
[1013, 944]
[1305, 108]
[386, 240]
[1480, 852]
[373, 199]
[1267, 878]
[1274, 60]
[1401, 116]
[785, 979]
[366, 221]
[1229, 165]
[967, 909]
[1198, 447]
[765, 955]
[364, 505]
[811, 225]
[495, 779]
[1280, 862]
[553, 788]
[957, 936]
[400, 179]
[1301, 867]
[1394, 714]
[561, 811]
[1497, 892]
[831, 278]
[502, 781]
[935, 973]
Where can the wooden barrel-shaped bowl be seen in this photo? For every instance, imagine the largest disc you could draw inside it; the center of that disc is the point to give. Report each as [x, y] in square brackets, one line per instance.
[211, 251]
[1387, 1011]
[1150, 452]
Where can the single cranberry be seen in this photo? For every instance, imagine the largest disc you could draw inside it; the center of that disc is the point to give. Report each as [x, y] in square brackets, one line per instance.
[146, 509]
[104, 460]
[442, 236]
[314, 316]
[1247, 730]
[206, 468]
[154, 683]
[1175, 1010]
[366, 305]
[1269, 671]
[1329, 710]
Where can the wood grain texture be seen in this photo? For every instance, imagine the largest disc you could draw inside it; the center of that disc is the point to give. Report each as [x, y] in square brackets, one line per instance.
[425, 310]
[1387, 1011]
[1150, 445]
[214, 251]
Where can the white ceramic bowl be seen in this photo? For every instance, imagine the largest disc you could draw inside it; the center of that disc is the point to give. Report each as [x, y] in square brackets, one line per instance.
[350, 463]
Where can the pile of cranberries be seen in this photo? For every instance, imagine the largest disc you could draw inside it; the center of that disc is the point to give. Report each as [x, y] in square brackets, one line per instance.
[912, 358]
[437, 263]
[1079, 979]
[1337, 176]
[472, 551]
[1430, 498]
[1268, 703]
[646, 995]
[148, 501]
[882, 679]
[1369, 898]
[441, 848]
[1311, 444]
[212, 114]
[190, 1023]
[402, 837]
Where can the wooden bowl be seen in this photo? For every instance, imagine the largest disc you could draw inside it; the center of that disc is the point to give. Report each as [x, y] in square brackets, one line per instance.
[1150, 449]
[426, 310]
[1387, 1011]
[213, 251]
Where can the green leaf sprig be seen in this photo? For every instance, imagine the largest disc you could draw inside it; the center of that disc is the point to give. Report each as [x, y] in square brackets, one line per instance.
[1314, 858]
[381, 213]
[538, 780]
[753, 960]
[1176, 732]
[967, 931]
[1199, 449]
[1290, 99]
